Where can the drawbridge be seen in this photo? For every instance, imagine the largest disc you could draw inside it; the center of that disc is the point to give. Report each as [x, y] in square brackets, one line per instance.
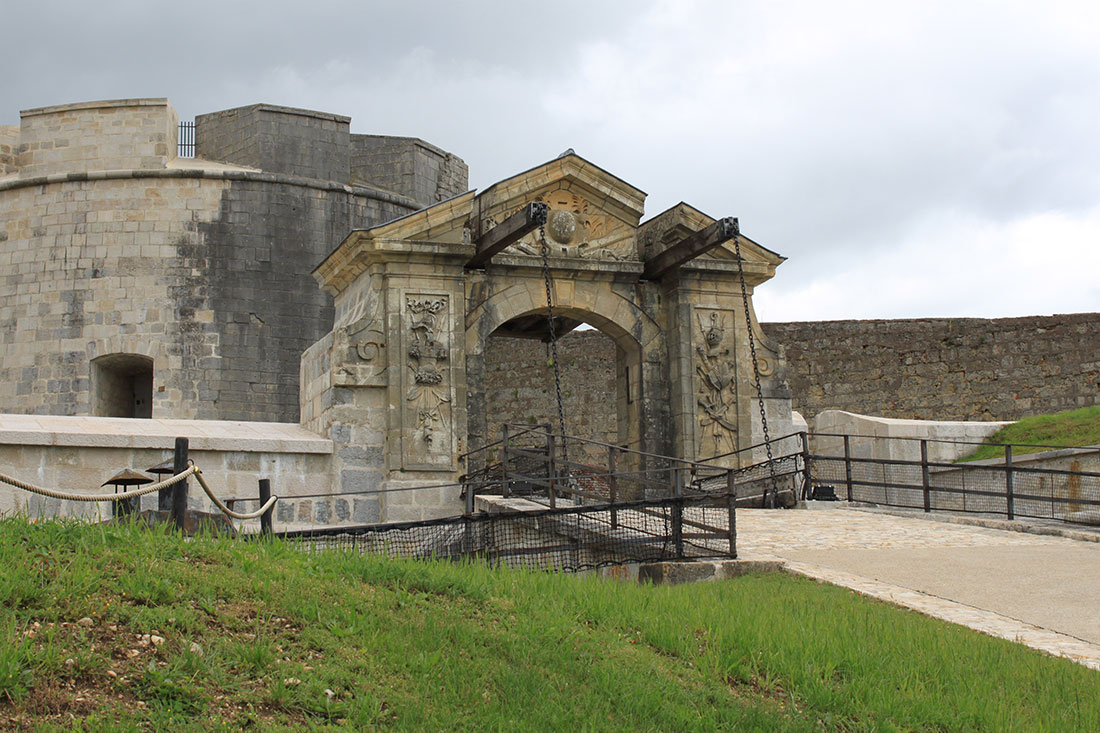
[528, 505]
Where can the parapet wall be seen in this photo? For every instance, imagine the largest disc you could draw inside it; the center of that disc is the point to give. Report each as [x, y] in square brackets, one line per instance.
[118, 134]
[943, 368]
[276, 139]
[408, 166]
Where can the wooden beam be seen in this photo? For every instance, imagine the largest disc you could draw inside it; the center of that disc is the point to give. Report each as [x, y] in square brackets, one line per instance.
[508, 232]
[691, 247]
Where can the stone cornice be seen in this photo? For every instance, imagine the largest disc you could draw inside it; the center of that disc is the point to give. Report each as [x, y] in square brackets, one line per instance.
[208, 174]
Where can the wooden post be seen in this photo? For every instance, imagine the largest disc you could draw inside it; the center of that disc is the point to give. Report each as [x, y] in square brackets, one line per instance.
[678, 513]
[848, 466]
[1009, 498]
[179, 490]
[924, 475]
[612, 485]
[731, 506]
[266, 528]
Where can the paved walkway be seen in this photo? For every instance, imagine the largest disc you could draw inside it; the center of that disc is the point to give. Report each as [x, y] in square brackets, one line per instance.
[1041, 590]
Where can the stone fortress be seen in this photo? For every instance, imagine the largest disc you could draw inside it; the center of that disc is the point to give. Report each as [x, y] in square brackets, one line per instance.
[138, 283]
[142, 284]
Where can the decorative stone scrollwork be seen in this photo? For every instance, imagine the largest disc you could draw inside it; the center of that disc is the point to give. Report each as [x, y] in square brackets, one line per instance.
[717, 394]
[426, 350]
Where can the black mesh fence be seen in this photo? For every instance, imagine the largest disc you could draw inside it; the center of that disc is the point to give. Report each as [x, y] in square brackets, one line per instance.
[565, 538]
[1002, 489]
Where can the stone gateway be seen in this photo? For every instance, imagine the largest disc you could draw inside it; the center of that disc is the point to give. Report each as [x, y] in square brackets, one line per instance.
[403, 372]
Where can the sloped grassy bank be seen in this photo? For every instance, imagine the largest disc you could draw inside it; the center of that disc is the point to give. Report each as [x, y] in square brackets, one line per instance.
[123, 628]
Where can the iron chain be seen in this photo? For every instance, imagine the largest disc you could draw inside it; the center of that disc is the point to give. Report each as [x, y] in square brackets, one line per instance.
[553, 336]
[756, 374]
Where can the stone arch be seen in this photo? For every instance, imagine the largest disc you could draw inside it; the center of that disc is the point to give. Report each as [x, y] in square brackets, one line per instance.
[641, 379]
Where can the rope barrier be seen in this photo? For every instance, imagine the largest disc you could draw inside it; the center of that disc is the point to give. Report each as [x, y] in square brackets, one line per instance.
[236, 515]
[55, 494]
[148, 489]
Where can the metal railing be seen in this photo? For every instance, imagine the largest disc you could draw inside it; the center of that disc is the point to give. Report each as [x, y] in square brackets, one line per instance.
[186, 146]
[1006, 489]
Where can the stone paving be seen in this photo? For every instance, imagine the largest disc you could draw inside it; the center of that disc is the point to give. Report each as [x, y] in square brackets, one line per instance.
[975, 576]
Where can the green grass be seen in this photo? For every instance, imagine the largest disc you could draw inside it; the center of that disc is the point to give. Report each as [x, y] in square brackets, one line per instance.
[1043, 432]
[337, 641]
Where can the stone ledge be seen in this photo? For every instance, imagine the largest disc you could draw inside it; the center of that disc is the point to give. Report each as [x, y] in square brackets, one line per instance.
[215, 174]
[118, 432]
[103, 104]
[694, 571]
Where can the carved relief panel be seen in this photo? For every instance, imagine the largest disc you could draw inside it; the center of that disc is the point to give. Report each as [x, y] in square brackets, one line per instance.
[362, 344]
[577, 228]
[713, 335]
[427, 392]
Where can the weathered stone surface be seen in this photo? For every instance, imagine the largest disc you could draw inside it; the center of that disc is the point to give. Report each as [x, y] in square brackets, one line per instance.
[944, 368]
[110, 244]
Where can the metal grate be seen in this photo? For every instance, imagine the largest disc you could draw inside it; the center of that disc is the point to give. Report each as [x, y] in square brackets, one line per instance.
[565, 539]
[186, 147]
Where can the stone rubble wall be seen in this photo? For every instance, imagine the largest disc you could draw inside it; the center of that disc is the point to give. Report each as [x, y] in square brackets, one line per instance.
[943, 368]
[520, 387]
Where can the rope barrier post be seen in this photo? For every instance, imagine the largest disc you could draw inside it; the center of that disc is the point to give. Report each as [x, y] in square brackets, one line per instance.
[265, 519]
[179, 491]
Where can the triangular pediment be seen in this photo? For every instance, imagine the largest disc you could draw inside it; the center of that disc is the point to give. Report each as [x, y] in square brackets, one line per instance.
[592, 214]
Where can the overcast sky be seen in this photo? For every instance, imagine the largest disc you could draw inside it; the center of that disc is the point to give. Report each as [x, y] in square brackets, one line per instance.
[910, 159]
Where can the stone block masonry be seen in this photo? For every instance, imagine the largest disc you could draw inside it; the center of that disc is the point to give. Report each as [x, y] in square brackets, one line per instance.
[110, 244]
[944, 368]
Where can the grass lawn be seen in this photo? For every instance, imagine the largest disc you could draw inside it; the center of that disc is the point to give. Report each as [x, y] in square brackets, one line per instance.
[119, 628]
[1060, 430]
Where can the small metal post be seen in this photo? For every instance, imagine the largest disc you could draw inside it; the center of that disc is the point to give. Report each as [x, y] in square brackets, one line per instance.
[612, 485]
[551, 470]
[848, 466]
[924, 475]
[1009, 499]
[731, 506]
[179, 490]
[678, 513]
[505, 489]
[806, 480]
[265, 519]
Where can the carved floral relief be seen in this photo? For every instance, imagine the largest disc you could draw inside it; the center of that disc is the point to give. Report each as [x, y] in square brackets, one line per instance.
[717, 394]
[428, 393]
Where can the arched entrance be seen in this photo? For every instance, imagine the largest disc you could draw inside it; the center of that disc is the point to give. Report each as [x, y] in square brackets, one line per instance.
[400, 383]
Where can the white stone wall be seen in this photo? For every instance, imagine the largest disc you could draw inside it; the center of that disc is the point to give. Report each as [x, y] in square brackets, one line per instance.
[883, 437]
[80, 453]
